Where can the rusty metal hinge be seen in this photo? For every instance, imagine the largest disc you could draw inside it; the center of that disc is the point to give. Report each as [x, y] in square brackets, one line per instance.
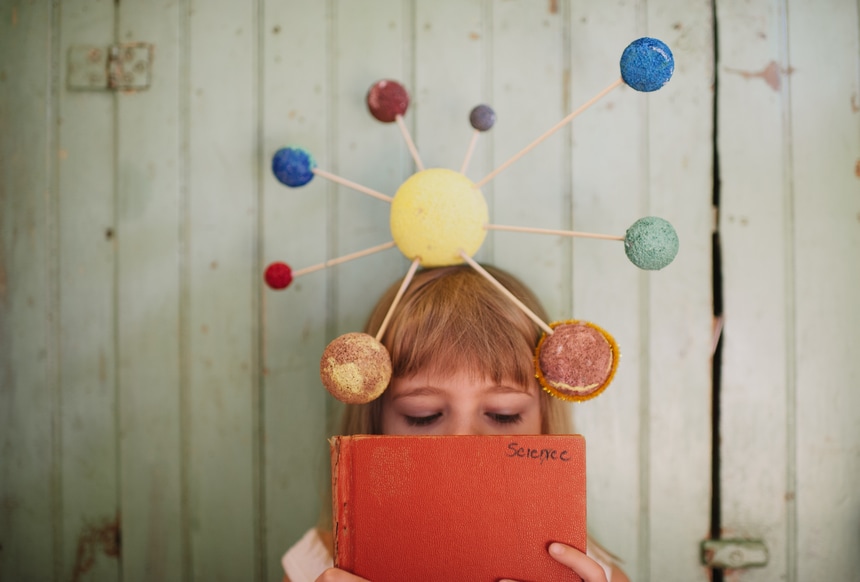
[118, 67]
[734, 553]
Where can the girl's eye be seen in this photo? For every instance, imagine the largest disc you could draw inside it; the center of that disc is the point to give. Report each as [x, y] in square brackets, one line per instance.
[422, 420]
[505, 418]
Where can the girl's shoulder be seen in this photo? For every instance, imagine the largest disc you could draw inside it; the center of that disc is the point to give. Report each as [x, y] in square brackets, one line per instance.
[308, 558]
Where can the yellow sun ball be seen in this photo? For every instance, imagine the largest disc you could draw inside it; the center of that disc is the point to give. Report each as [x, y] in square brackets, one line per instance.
[435, 213]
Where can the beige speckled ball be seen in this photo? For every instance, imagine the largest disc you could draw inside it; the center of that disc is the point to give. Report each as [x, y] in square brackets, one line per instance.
[355, 368]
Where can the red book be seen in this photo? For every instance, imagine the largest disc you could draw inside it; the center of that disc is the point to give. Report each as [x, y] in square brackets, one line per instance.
[447, 508]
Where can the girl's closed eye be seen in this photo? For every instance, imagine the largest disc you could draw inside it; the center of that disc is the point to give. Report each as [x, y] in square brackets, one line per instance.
[505, 418]
[422, 420]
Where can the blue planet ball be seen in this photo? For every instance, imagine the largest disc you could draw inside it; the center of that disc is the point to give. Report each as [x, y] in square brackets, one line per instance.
[647, 64]
[293, 166]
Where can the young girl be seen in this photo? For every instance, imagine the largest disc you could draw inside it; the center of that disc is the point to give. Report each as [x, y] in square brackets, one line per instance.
[462, 356]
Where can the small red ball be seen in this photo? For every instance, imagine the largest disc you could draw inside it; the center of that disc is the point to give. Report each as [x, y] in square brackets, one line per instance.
[386, 100]
[279, 275]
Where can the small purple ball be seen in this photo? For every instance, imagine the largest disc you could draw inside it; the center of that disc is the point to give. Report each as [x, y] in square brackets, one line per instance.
[482, 117]
[293, 166]
[647, 64]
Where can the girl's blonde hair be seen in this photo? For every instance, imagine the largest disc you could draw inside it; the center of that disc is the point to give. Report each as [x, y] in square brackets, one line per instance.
[452, 318]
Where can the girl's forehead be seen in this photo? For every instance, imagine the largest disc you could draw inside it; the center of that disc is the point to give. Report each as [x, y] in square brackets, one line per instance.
[430, 380]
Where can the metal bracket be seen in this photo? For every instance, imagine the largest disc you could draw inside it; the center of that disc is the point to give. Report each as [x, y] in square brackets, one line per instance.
[734, 553]
[119, 67]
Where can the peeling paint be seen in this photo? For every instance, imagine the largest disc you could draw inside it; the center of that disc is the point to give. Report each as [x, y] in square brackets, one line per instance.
[104, 536]
[772, 74]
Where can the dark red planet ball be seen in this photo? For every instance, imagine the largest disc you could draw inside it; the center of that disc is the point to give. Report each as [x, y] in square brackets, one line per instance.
[386, 100]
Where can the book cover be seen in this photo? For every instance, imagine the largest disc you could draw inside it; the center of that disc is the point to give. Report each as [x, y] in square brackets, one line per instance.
[446, 508]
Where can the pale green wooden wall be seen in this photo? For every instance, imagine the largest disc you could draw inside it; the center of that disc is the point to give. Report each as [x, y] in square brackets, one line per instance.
[789, 143]
[151, 383]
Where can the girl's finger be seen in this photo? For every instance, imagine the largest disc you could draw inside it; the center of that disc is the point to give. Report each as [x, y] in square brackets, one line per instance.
[588, 569]
[335, 575]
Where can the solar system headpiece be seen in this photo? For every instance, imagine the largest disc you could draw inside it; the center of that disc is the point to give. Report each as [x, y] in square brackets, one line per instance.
[439, 217]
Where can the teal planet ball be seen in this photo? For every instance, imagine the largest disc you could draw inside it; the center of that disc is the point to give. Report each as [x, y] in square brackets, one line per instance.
[651, 243]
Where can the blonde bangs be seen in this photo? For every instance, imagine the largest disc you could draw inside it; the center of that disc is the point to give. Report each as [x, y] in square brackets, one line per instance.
[452, 318]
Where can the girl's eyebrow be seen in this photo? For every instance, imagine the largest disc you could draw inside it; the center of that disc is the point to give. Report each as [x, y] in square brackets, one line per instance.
[419, 391]
[508, 389]
[430, 390]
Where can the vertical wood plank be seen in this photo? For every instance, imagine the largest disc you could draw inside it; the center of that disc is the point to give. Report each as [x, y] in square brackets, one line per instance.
[451, 44]
[636, 155]
[823, 84]
[28, 318]
[756, 249]
[87, 269]
[790, 461]
[150, 163]
[609, 180]
[372, 41]
[222, 271]
[296, 105]
[679, 300]
[528, 79]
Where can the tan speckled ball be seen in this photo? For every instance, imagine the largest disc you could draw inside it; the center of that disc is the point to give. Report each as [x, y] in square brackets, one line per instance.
[355, 368]
[577, 361]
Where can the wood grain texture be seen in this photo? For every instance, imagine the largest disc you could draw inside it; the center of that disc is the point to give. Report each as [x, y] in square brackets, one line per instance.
[29, 407]
[680, 316]
[294, 229]
[528, 74]
[372, 41]
[824, 62]
[87, 312]
[641, 155]
[610, 190]
[222, 278]
[151, 199]
[789, 141]
[755, 209]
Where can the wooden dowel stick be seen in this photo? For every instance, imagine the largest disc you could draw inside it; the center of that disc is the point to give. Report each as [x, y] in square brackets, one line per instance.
[350, 184]
[470, 150]
[549, 132]
[406, 280]
[549, 231]
[531, 314]
[343, 259]
[409, 143]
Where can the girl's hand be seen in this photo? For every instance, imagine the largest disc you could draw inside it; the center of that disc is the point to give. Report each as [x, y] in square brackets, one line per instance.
[335, 575]
[588, 569]
[585, 567]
